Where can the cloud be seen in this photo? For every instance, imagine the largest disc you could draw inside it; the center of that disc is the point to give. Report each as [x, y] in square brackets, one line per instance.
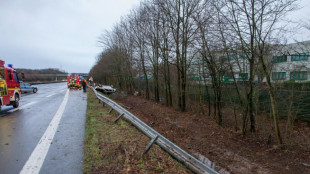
[56, 33]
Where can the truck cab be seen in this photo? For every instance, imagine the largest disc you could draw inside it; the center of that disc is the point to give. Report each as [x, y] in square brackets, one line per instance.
[10, 92]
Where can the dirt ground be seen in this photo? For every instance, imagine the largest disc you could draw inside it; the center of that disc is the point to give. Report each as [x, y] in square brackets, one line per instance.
[229, 151]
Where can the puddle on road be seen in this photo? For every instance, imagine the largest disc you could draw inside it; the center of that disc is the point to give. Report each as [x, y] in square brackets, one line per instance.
[211, 164]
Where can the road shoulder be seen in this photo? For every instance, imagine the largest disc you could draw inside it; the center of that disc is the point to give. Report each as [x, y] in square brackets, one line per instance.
[66, 151]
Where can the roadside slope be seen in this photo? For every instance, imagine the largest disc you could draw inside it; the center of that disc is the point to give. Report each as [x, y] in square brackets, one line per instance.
[200, 135]
[117, 148]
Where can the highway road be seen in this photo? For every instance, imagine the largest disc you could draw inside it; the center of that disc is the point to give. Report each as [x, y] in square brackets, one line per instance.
[46, 133]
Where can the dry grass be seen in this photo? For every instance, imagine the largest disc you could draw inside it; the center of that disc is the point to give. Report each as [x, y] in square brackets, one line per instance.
[117, 148]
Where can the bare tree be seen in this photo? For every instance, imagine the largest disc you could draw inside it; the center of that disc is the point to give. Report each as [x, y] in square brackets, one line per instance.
[179, 15]
[211, 51]
[254, 22]
[268, 15]
[162, 36]
[139, 23]
[119, 41]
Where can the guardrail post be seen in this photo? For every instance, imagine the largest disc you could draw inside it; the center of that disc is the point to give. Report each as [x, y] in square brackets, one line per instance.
[150, 145]
[99, 100]
[118, 118]
[110, 110]
[103, 104]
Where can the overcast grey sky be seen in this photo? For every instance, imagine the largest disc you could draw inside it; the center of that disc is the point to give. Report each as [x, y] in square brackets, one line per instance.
[63, 34]
[60, 34]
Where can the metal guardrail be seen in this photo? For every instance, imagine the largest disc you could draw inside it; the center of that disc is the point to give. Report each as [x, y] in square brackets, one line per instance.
[189, 161]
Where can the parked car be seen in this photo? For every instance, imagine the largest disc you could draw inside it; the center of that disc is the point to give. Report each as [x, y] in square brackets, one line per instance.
[27, 87]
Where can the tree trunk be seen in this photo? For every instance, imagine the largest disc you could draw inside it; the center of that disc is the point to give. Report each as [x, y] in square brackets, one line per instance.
[274, 115]
[208, 100]
[147, 91]
[201, 110]
[272, 100]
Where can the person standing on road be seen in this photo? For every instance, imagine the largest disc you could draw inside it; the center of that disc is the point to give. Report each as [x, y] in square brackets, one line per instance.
[84, 83]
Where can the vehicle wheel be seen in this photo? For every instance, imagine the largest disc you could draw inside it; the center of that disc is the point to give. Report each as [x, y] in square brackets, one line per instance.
[35, 90]
[16, 102]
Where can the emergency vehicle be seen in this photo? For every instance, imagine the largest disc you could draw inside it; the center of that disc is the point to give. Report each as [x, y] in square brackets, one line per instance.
[10, 92]
[73, 81]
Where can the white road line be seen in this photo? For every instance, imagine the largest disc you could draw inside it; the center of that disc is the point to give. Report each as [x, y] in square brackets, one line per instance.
[50, 95]
[22, 107]
[28, 104]
[36, 159]
[13, 110]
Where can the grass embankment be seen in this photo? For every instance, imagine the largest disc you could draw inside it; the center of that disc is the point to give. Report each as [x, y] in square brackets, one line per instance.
[117, 148]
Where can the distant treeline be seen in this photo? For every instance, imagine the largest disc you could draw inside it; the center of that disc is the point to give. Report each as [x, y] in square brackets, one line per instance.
[42, 75]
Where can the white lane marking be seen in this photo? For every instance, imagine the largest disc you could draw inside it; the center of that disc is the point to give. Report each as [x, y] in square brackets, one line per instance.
[13, 110]
[55, 94]
[50, 95]
[22, 107]
[36, 159]
[28, 104]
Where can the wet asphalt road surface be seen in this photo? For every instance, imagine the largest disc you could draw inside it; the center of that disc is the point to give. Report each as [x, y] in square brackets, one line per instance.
[22, 129]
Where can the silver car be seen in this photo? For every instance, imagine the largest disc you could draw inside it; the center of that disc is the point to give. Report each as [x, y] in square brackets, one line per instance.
[26, 87]
[105, 89]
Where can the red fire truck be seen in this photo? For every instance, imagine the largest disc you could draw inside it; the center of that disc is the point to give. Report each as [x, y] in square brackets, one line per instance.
[73, 81]
[10, 92]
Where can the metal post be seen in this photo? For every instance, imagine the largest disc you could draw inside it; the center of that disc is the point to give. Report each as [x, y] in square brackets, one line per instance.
[150, 145]
[118, 118]
[110, 110]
